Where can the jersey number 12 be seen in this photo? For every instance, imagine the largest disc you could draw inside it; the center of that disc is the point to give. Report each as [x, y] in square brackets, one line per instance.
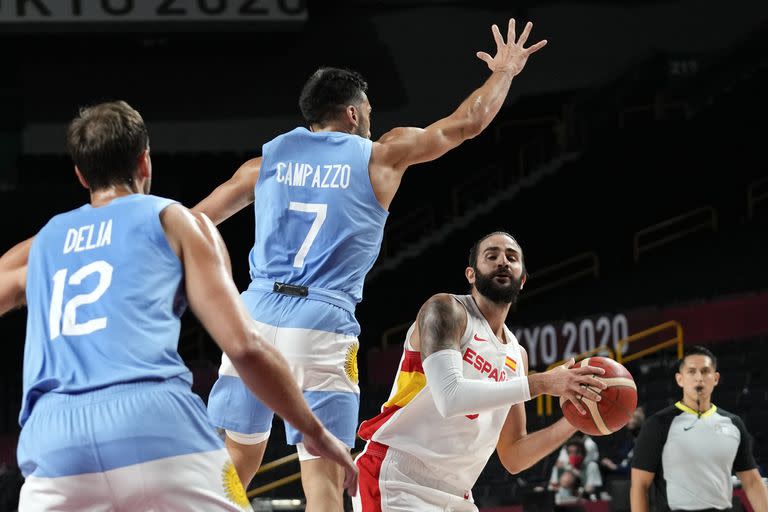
[62, 317]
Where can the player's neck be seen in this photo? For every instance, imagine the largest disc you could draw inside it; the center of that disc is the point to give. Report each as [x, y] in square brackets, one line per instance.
[495, 314]
[332, 127]
[104, 196]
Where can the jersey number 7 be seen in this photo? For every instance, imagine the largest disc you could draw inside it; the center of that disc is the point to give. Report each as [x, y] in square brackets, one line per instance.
[320, 210]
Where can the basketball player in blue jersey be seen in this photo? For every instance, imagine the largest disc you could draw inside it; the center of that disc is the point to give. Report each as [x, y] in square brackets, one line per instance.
[109, 419]
[321, 200]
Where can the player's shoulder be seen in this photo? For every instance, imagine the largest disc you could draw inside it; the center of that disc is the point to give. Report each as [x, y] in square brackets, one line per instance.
[297, 131]
[446, 304]
[396, 133]
[395, 137]
[62, 216]
[391, 150]
[175, 213]
[441, 297]
[154, 206]
[62, 219]
[448, 299]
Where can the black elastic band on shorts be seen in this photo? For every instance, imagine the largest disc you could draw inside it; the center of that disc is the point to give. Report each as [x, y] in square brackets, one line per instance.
[290, 289]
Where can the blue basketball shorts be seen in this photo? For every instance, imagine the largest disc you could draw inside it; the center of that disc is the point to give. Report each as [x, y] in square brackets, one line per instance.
[319, 340]
[136, 446]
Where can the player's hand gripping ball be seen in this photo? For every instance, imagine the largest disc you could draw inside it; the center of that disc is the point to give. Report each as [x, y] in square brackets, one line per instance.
[615, 408]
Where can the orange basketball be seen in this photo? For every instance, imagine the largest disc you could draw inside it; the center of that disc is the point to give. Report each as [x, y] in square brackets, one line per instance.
[618, 402]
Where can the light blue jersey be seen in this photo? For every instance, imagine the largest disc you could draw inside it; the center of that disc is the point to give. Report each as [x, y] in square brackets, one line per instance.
[319, 227]
[318, 222]
[104, 295]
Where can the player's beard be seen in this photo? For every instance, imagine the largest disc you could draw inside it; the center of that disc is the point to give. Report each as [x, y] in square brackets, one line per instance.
[497, 293]
[363, 131]
[364, 128]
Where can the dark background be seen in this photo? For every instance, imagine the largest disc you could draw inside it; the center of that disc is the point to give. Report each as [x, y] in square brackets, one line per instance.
[636, 112]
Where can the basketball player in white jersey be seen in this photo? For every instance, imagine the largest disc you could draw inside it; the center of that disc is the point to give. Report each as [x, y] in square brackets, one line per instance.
[459, 394]
[321, 198]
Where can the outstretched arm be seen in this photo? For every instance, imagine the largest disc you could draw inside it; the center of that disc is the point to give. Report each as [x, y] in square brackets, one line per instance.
[214, 300]
[233, 195]
[13, 276]
[402, 147]
[517, 449]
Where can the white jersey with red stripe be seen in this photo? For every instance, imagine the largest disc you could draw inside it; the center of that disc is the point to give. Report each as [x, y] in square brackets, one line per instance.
[409, 421]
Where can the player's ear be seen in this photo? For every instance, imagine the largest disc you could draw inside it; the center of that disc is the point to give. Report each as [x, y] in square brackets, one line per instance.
[353, 116]
[144, 167]
[717, 378]
[679, 378]
[469, 272]
[81, 178]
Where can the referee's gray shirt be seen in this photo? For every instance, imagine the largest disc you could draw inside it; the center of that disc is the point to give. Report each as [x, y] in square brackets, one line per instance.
[693, 457]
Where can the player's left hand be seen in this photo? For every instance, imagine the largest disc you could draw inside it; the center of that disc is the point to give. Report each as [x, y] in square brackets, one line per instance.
[511, 56]
[578, 402]
[327, 446]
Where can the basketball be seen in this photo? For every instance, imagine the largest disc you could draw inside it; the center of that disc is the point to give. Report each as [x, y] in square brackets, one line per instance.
[618, 402]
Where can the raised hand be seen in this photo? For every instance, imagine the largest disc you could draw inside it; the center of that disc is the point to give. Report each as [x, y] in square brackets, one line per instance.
[510, 56]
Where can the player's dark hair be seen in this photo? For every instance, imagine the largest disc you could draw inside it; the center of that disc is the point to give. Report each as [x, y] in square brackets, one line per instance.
[697, 350]
[105, 142]
[329, 91]
[473, 250]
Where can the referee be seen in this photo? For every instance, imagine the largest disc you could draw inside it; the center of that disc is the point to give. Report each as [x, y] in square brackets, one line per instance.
[689, 450]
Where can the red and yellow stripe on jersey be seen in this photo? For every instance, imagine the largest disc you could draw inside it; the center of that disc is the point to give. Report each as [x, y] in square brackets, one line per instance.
[510, 363]
[410, 380]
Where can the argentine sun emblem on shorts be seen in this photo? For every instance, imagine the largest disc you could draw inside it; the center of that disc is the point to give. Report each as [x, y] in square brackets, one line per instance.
[233, 488]
[350, 363]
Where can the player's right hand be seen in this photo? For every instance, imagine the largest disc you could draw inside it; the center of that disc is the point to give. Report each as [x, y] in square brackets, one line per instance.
[325, 445]
[575, 384]
[511, 55]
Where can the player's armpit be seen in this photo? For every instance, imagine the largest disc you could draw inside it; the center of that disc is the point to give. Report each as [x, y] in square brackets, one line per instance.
[514, 427]
[441, 322]
[233, 195]
[13, 276]
[524, 355]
